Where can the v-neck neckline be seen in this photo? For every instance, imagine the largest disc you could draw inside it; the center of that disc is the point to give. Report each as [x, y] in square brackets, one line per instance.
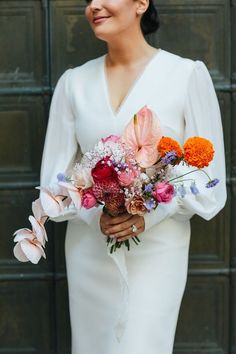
[132, 86]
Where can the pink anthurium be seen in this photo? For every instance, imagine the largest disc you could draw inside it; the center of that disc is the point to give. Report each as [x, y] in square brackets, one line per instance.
[28, 248]
[142, 134]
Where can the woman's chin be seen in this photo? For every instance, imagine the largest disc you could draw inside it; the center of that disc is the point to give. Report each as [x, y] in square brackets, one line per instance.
[102, 35]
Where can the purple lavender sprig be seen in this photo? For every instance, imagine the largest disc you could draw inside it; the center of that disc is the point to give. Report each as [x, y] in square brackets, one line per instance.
[194, 189]
[212, 183]
[169, 158]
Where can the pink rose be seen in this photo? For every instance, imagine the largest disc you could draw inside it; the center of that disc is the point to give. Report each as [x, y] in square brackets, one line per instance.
[113, 138]
[135, 206]
[88, 199]
[127, 177]
[164, 192]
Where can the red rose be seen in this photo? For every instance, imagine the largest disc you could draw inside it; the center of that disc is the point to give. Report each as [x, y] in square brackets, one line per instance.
[103, 170]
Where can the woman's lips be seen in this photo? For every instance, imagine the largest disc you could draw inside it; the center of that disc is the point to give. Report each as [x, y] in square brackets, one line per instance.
[100, 19]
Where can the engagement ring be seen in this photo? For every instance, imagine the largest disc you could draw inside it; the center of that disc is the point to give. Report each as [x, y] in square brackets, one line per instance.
[134, 228]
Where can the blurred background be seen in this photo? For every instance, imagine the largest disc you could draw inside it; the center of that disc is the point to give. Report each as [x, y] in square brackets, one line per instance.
[39, 40]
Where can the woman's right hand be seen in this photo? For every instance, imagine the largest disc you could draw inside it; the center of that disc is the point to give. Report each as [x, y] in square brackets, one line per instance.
[107, 221]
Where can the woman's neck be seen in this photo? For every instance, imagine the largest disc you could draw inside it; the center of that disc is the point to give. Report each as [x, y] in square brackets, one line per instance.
[128, 50]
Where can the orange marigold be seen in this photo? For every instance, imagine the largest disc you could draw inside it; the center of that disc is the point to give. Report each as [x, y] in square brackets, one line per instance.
[198, 152]
[167, 144]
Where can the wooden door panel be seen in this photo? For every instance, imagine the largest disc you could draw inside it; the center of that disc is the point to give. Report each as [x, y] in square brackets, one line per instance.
[21, 41]
[63, 335]
[28, 325]
[233, 191]
[203, 322]
[24, 119]
[38, 36]
[202, 25]
[233, 313]
[233, 52]
[208, 249]
[224, 99]
[73, 42]
[15, 207]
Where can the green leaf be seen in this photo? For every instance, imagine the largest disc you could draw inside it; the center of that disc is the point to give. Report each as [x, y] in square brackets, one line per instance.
[136, 242]
[127, 244]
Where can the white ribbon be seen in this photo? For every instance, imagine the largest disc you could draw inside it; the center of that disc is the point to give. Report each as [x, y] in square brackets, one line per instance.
[119, 258]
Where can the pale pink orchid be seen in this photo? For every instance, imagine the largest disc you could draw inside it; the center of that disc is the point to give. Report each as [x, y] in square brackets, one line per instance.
[38, 230]
[142, 134]
[28, 247]
[37, 221]
[53, 201]
[74, 193]
[38, 211]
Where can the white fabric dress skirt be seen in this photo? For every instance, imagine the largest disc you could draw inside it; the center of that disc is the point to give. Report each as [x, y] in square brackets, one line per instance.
[128, 302]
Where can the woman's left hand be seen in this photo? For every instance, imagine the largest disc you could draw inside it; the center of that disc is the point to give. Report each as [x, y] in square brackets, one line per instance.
[127, 229]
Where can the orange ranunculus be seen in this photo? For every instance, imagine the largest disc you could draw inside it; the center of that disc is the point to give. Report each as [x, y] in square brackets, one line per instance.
[167, 144]
[198, 152]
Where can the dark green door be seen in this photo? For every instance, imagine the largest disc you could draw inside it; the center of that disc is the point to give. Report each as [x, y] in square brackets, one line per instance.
[38, 41]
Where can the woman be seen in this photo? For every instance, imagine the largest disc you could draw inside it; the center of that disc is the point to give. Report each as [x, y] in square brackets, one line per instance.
[128, 302]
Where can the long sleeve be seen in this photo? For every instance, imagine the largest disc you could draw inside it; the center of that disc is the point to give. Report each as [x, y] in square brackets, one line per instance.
[202, 118]
[61, 147]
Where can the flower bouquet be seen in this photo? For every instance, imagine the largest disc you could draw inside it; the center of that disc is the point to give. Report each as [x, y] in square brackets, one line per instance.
[130, 173]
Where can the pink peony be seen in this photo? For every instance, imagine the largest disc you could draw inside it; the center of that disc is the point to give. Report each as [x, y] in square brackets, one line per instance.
[112, 138]
[164, 192]
[88, 199]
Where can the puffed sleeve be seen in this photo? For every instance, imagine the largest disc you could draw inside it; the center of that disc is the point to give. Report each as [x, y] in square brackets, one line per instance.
[61, 148]
[202, 118]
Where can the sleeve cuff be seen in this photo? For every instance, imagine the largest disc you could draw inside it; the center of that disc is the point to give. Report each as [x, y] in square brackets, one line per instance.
[90, 217]
[163, 211]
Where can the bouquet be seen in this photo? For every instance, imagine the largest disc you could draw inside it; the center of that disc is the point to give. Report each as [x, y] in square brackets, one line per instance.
[130, 173]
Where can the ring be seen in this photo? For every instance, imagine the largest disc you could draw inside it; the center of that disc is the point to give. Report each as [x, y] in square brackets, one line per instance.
[134, 228]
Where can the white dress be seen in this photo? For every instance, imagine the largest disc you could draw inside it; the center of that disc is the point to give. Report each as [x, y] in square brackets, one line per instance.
[128, 303]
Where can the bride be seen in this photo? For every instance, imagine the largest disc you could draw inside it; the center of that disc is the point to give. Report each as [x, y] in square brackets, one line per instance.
[128, 302]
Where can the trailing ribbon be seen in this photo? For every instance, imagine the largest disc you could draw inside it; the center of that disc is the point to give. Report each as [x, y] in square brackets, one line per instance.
[120, 261]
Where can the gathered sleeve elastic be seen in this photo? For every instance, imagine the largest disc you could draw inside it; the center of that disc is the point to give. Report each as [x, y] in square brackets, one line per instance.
[202, 118]
[61, 148]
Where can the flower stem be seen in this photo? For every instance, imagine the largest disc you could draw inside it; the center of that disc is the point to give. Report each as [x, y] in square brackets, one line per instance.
[187, 173]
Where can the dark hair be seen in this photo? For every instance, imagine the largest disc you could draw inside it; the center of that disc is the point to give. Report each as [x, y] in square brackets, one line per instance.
[150, 21]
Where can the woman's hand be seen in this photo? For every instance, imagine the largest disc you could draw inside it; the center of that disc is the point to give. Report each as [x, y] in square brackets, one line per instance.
[120, 227]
